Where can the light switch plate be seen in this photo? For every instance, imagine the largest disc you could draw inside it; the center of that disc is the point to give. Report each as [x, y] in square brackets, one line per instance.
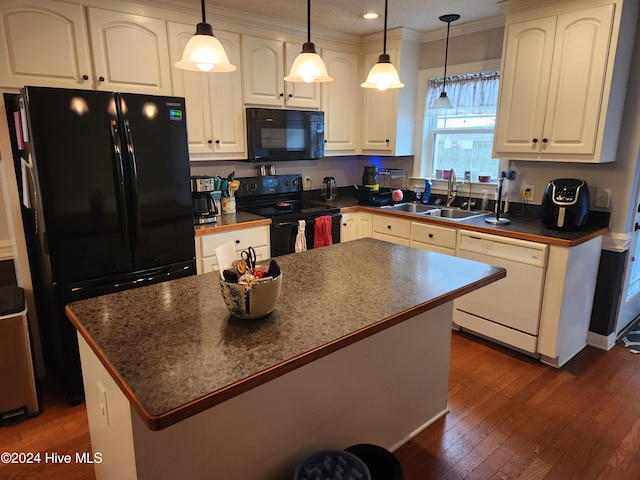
[603, 198]
[306, 183]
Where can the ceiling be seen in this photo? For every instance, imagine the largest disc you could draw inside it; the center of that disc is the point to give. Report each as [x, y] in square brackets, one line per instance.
[343, 15]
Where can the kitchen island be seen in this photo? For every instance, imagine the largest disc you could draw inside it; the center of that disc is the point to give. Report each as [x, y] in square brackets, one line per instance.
[356, 351]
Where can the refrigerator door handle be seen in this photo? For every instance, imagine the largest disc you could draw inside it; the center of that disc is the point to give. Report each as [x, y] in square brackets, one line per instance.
[134, 179]
[120, 177]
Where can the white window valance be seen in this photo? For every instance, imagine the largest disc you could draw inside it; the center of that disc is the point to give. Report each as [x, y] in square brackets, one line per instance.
[471, 92]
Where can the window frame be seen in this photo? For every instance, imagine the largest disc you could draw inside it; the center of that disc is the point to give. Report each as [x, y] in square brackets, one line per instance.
[420, 164]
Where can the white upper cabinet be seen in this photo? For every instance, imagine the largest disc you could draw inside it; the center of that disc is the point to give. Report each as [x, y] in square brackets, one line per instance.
[130, 52]
[264, 62]
[43, 43]
[556, 95]
[215, 115]
[379, 112]
[339, 103]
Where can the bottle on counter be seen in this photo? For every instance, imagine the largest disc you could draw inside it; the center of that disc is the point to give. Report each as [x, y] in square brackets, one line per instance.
[426, 196]
[485, 200]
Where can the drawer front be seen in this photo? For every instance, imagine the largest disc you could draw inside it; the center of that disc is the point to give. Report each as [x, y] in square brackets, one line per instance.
[210, 264]
[396, 227]
[242, 239]
[433, 235]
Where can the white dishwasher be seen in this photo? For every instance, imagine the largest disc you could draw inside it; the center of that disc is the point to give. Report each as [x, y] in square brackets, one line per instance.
[508, 310]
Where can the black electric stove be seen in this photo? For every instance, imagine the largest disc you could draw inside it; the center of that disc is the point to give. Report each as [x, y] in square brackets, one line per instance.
[279, 197]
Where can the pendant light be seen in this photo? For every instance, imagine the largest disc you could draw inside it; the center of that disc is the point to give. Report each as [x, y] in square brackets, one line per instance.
[308, 66]
[204, 52]
[443, 101]
[383, 75]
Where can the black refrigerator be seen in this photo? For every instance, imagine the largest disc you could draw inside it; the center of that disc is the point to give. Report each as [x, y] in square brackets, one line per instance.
[106, 202]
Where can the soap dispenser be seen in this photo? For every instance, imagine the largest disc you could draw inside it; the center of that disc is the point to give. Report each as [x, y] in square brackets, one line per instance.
[426, 195]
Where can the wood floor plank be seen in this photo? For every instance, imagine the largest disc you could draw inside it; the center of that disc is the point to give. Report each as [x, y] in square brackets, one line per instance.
[510, 418]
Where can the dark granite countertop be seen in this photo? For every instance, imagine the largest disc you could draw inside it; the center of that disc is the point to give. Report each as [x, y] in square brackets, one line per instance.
[226, 222]
[521, 227]
[174, 350]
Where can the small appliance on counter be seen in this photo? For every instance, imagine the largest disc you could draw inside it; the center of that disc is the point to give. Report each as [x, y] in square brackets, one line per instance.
[328, 189]
[370, 177]
[205, 199]
[565, 204]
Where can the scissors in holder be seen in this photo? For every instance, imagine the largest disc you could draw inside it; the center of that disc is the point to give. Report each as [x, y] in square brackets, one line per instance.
[249, 256]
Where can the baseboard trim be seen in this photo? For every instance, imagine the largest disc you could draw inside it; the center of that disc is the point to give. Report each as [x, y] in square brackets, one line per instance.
[602, 342]
[6, 250]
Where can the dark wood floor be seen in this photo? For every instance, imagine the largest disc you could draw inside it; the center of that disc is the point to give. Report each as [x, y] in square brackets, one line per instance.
[510, 417]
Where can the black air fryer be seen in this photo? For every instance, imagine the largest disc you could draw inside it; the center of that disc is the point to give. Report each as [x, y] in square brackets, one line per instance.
[565, 204]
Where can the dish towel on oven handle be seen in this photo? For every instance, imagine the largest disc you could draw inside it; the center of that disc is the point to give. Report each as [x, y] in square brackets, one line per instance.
[301, 240]
[322, 232]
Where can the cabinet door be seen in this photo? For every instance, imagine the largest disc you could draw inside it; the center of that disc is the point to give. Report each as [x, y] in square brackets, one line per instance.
[130, 52]
[348, 227]
[365, 225]
[263, 71]
[339, 102]
[299, 94]
[577, 78]
[379, 112]
[215, 120]
[43, 43]
[524, 85]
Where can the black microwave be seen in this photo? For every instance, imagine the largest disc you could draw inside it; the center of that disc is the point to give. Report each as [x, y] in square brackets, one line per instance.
[284, 134]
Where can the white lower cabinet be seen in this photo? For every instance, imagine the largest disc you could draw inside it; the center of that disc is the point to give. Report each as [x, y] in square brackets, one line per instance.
[256, 237]
[434, 238]
[348, 227]
[389, 229]
[365, 225]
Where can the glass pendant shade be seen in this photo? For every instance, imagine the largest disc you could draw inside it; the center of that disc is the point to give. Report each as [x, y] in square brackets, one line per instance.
[383, 75]
[442, 101]
[308, 67]
[204, 52]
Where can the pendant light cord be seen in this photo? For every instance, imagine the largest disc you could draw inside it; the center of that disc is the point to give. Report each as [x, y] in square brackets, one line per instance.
[446, 57]
[308, 21]
[384, 41]
[204, 17]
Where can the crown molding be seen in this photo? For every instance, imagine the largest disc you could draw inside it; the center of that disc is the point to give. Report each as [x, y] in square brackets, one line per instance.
[514, 6]
[464, 29]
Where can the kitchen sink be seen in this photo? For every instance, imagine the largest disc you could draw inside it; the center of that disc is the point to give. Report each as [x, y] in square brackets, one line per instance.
[457, 214]
[410, 207]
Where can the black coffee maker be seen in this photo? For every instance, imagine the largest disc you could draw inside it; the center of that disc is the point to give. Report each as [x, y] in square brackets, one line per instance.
[205, 199]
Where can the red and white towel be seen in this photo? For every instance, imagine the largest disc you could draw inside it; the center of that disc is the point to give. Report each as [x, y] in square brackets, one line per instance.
[322, 232]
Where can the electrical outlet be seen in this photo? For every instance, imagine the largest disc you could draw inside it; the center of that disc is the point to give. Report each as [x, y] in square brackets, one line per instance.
[603, 197]
[527, 192]
[306, 183]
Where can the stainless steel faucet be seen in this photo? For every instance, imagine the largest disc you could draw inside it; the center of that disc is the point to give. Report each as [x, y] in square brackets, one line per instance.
[452, 187]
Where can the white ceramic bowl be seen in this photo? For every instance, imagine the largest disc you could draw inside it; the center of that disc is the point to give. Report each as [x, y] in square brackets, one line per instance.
[257, 303]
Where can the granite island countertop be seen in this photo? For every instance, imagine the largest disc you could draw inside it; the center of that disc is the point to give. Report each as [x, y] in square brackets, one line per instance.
[174, 350]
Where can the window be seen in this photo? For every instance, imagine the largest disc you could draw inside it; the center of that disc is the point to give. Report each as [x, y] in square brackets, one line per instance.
[461, 137]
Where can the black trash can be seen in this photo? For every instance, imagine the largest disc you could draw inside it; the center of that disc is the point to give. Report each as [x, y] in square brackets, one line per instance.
[382, 464]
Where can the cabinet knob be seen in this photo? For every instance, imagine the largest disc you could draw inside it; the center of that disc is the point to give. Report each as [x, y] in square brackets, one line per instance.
[544, 140]
[344, 224]
[325, 140]
[535, 140]
[217, 142]
[101, 79]
[387, 140]
[281, 95]
[389, 227]
[237, 242]
[291, 95]
[431, 235]
[85, 77]
[209, 141]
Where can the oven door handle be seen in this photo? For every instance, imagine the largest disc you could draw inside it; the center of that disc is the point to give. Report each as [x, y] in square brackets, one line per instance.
[293, 223]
